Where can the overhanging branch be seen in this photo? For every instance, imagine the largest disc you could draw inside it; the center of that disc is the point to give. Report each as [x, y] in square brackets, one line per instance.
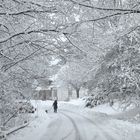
[29, 32]
[6, 67]
[54, 10]
[105, 9]
[105, 17]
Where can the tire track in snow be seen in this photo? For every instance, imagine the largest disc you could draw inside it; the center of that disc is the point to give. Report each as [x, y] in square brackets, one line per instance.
[80, 128]
[55, 125]
[61, 128]
[104, 133]
[77, 133]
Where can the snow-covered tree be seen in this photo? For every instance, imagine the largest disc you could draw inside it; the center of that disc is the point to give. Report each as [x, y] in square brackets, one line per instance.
[33, 32]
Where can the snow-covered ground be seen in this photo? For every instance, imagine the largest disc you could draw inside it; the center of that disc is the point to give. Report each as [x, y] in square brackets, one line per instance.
[75, 122]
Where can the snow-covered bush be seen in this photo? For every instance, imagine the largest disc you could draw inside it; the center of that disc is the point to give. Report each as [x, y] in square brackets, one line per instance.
[25, 107]
[95, 100]
[11, 91]
[2, 136]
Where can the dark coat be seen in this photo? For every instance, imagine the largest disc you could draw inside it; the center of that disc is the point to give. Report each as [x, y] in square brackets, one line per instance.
[55, 104]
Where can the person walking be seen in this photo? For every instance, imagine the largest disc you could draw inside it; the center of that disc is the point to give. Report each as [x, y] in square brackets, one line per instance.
[55, 106]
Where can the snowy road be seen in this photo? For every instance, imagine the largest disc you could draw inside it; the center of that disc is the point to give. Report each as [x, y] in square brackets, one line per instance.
[73, 122]
[72, 126]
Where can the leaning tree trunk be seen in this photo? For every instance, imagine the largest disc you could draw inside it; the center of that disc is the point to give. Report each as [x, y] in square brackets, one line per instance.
[77, 92]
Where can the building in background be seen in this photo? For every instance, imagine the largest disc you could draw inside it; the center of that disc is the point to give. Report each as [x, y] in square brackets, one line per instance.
[48, 91]
[43, 90]
[67, 93]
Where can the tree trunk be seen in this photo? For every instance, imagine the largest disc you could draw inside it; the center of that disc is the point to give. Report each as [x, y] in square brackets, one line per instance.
[77, 92]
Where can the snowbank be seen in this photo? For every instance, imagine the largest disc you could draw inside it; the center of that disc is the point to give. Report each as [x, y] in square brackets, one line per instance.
[38, 126]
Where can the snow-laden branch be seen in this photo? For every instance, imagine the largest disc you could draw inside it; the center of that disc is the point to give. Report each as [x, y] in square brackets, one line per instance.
[74, 44]
[4, 134]
[127, 32]
[6, 67]
[29, 32]
[107, 16]
[30, 2]
[52, 10]
[16, 128]
[105, 9]
[100, 18]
